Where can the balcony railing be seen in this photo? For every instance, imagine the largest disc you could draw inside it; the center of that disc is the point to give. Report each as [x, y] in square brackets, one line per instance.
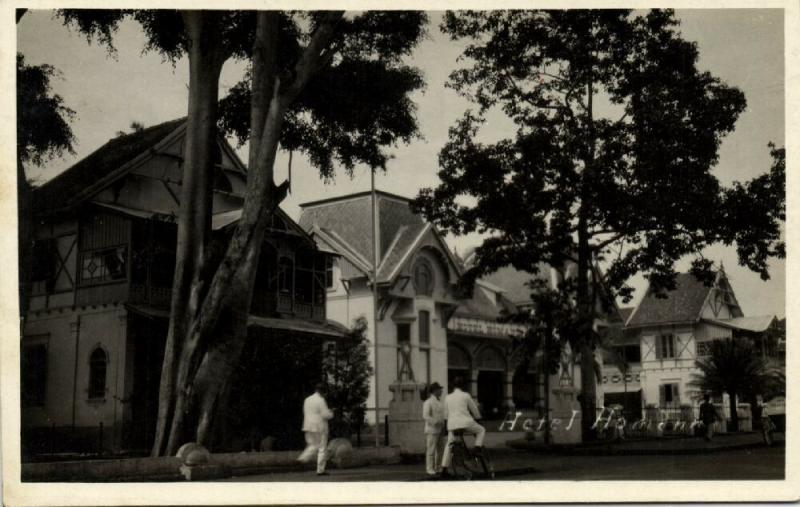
[150, 295]
[268, 303]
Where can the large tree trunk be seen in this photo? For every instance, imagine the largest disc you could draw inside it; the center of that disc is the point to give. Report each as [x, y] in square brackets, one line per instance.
[583, 297]
[232, 280]
[205, 64]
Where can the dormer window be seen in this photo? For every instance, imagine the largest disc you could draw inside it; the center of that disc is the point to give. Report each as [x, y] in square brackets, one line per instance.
[423, 277]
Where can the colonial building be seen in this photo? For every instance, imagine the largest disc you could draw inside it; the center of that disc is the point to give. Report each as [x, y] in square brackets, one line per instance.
[450, 335]
[664, 336]
[104, 257]
[416, 278]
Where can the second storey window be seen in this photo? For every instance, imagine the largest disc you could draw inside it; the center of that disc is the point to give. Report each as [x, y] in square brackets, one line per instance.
[665, 348]
[43, 269]
[423, 277]
[104, 264]
[104, 249]
[424, 322]
[285, 274]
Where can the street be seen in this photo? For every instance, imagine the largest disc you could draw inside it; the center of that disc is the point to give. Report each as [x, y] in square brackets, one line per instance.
[754, 464]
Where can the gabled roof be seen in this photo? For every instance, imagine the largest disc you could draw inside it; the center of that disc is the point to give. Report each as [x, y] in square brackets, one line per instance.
[480, 306]
[69, 186]
[625, 313]
[683, 304]
[515, 283]
[346, 221]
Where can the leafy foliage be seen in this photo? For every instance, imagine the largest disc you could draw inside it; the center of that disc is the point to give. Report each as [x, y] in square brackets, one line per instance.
[164, 29]
[43, 129]
[356, 106]
[347, 371]
[635, 182]
[735, 367]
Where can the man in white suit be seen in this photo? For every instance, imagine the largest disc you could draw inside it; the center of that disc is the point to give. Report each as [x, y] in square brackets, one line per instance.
[461, 411]
[433, 414]
[315, 425]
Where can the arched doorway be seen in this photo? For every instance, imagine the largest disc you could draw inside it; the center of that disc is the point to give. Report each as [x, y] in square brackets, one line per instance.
[459, 364]
[491, 366]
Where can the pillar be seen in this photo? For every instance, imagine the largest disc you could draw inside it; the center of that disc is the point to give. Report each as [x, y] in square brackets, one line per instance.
[473, 384]
[508, 392]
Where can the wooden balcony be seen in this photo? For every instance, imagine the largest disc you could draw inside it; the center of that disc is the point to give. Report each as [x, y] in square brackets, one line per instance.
[159, 297]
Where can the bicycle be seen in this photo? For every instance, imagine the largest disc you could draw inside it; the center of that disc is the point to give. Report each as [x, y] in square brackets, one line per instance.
[767, 429]
[466, 463]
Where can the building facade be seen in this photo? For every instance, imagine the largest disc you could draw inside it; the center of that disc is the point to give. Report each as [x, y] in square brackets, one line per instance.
[104, 260]
[416, 284]
[655, 359]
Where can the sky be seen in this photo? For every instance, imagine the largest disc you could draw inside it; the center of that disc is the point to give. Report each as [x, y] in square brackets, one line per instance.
[743, 47]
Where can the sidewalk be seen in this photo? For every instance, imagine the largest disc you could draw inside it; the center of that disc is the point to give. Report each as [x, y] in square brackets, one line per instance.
[169, 468]
[654, 446]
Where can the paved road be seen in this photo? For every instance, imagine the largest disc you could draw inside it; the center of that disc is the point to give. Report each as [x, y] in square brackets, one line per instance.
[757, 464]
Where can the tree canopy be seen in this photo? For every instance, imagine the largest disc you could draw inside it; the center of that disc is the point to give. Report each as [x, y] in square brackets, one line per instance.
[43, 121]
[306, 69]
[616, 135]
[640, 177]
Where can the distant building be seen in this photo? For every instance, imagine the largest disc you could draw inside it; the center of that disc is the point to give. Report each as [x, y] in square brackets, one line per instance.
[664, 336]
[104, 260]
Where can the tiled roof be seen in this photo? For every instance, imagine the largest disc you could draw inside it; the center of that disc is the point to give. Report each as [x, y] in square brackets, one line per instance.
[349, 219]
[66, 188]
[683, 304]
[480, 306]
[756, 324]
[405, 240]
[625, 313]
[514, 283]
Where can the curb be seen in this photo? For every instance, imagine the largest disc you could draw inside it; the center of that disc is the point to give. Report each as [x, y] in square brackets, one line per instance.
[169, 469]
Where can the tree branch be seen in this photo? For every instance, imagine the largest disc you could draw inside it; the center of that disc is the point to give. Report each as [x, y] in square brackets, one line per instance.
[314, 56]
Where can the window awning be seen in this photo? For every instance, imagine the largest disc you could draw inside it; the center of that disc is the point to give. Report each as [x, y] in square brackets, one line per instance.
[327, 328]
[757, 324]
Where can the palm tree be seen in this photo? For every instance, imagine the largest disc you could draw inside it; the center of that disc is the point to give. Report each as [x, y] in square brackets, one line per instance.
[733, 366]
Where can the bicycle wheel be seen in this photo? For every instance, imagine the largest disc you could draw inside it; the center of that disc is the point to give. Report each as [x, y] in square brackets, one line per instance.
[766, 433]
[486, 465]
[465, 465]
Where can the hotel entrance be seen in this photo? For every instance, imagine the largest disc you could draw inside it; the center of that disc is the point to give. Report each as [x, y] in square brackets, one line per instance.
[491, 373]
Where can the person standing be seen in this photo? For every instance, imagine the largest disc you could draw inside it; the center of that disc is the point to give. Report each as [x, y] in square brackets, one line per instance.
[460, 411]
[315, 425]
[708, 416]
[433, 413]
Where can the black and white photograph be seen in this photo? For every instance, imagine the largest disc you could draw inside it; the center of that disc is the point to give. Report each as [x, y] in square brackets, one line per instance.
[409, 254]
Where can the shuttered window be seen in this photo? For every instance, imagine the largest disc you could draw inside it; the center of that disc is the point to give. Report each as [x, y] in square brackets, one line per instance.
[665, 346]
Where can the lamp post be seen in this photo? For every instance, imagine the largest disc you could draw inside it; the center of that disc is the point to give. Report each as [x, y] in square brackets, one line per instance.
[375, 302]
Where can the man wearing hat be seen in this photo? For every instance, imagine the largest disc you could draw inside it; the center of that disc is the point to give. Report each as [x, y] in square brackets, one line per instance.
[433, 413]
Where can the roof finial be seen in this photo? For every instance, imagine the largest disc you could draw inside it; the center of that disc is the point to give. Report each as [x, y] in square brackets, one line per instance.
[721, 266]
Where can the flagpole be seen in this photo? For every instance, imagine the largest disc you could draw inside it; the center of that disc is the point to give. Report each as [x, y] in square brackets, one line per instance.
[375, 302]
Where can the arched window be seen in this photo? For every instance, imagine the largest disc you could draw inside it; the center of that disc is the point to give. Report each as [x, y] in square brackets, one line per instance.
[423, 277]
[98, 363]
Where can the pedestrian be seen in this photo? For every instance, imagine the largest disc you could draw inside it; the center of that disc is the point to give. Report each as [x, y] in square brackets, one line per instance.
[460, 413]
[315, 425]
[708, 416]
[433, 413]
